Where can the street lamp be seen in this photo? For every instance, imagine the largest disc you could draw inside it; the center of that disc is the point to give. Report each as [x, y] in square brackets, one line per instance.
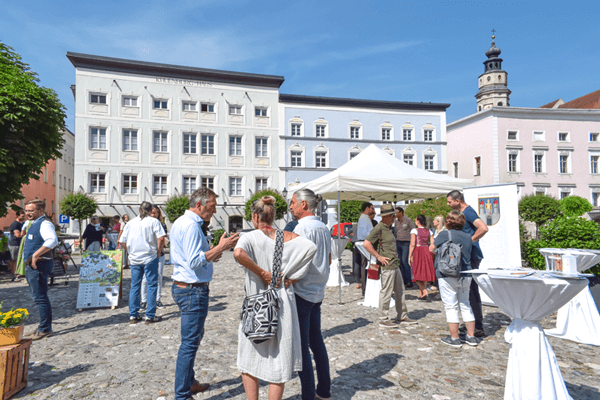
[284, 192]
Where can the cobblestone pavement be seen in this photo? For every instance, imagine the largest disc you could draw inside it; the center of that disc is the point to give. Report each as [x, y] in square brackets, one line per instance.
[97, 354]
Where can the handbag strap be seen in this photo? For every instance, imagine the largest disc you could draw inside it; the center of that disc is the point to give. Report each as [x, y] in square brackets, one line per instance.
[277, 258]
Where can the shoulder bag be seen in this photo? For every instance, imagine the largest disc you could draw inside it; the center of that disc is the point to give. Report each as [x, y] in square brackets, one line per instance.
[374, 270]
[260, 312]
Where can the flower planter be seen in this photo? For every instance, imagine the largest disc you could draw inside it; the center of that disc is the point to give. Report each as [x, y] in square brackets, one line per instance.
[10, 336]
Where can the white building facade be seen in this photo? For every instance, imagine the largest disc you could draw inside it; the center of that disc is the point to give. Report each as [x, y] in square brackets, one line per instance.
[148, 131]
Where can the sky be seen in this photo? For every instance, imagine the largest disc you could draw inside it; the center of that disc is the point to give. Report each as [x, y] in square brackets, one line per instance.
[403, 50]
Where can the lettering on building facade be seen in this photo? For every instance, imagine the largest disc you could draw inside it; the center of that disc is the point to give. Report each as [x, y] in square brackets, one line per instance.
[184, 82]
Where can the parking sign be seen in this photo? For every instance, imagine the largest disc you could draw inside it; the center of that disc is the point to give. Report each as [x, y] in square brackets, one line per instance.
[63, 219]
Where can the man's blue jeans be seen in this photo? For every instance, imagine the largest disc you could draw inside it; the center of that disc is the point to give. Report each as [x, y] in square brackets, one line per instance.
[403, 248]
[309, 318]
[137, 273]
[193, 304]
[38, 285]
[475, 298]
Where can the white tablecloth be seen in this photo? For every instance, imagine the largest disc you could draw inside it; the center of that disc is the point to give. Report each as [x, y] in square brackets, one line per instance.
[373, 286]
[579, 319]
[532, 371]
[335, 270]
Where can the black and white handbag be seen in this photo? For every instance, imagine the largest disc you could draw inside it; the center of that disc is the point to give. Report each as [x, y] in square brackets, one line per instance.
[260, 312]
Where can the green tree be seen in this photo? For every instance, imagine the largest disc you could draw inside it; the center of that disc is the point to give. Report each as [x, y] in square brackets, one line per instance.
[350, 210]
[176, 206]
[429, 208]
[280, 204]
[31, 123]
[574, 206]
[78, 206]
[538, 208]
[217, 236]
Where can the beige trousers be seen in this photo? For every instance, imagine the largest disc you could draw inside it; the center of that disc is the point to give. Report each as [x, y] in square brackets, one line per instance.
[391, 282]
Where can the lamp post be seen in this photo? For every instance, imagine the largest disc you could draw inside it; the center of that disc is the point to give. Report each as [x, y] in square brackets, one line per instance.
[284, 192]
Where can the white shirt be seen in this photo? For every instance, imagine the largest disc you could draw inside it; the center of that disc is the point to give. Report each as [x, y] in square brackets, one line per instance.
[141, 237]
[364, 227]
[188, 250]
[312, 287]
[47, 232]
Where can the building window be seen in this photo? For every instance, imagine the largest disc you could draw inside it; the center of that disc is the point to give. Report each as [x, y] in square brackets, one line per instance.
[563, 164]
[539, 136]
[158, 104]
[428, 135]
[513, 135]
[594, 136]
[320, 130]
[261, 184]
[98, 98]
[386, 133]
[207, 107]
[189, 106]
[189, 143]
[513, 162]
[296, 129]
[262, 147]
[477, 168]
[455, 169]
[98, 138]
[596, 199]
[321, 159]
[354, 154]
[235, 186]
[160, 142]
[407, 134]
[160, 185]
[235, 145]
[59, 180]
[208, 182]
[98, 183]
[260, 111]
[355, 132]
[429, 161]
[538, 163]
[235, 110]
[130, 184]
[53, 177]
[130, 140]
[129, 101]
[189, 184]
[563, 136]
[564, 192]
[408, 159]
[539, 190]
[64, 182]
[296, 156]
[594, 164]
[208, 145]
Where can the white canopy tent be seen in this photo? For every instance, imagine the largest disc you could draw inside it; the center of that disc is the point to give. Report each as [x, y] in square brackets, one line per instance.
[375, 175]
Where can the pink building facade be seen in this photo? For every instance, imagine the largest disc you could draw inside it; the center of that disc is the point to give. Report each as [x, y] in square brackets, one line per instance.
[552, 151]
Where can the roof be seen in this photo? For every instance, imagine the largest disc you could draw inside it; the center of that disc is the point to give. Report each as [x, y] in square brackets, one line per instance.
[102, 63]
[345, 102]
[589, 101]
[553, 104]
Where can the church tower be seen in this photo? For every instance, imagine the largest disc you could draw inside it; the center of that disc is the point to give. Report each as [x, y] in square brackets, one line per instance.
[493, 90]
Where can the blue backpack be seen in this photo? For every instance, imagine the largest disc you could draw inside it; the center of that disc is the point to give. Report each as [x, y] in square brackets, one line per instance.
[449, 257]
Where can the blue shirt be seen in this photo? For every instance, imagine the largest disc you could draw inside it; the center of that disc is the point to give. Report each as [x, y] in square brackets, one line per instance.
[188, 250]
[470, 228]
[312, 287]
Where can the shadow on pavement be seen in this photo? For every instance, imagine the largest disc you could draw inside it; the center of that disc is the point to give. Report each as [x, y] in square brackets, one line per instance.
[582, 392]
[494, 322]
[44, 375]
[341, 329]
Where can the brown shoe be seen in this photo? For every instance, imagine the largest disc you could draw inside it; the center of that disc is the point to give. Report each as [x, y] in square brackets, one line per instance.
[198, 387]
[36, 335]
[408, 321]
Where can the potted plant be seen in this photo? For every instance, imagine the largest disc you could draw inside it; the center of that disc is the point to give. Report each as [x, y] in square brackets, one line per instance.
[11, 325]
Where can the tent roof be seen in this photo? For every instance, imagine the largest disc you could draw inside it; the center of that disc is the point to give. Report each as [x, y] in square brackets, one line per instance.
[376, 175]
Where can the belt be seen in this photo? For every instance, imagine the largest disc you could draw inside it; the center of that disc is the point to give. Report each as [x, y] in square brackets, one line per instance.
[185, 285]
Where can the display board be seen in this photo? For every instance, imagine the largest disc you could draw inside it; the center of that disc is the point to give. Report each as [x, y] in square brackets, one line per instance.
[99, 279]
[498, 208]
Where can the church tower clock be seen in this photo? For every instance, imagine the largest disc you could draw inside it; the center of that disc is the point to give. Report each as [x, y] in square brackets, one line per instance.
[493, 90]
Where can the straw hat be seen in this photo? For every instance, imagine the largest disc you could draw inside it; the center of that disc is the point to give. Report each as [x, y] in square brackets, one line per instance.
[387, 209]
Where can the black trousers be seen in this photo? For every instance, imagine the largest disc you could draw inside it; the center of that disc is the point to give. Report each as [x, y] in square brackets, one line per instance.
[359, 266]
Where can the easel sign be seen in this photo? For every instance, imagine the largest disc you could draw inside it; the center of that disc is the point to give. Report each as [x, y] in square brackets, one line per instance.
[100, 279]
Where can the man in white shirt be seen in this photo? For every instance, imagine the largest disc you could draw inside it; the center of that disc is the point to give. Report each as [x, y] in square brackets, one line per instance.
[363, 229]
[143, 238]
[37, 251]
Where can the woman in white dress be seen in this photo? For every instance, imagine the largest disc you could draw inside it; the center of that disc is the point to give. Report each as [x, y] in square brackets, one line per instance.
[275, 360]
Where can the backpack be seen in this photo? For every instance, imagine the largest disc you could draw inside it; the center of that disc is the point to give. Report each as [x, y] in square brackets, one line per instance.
[449, 257]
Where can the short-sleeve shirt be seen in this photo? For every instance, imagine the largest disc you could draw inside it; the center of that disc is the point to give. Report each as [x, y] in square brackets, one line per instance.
[141, 237]
[403, 227]
[458, 237]
[388, 244]
[15, 226]
[364, 227]
[470, 228]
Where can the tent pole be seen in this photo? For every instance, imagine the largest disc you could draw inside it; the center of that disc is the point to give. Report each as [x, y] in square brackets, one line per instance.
[339, 207]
